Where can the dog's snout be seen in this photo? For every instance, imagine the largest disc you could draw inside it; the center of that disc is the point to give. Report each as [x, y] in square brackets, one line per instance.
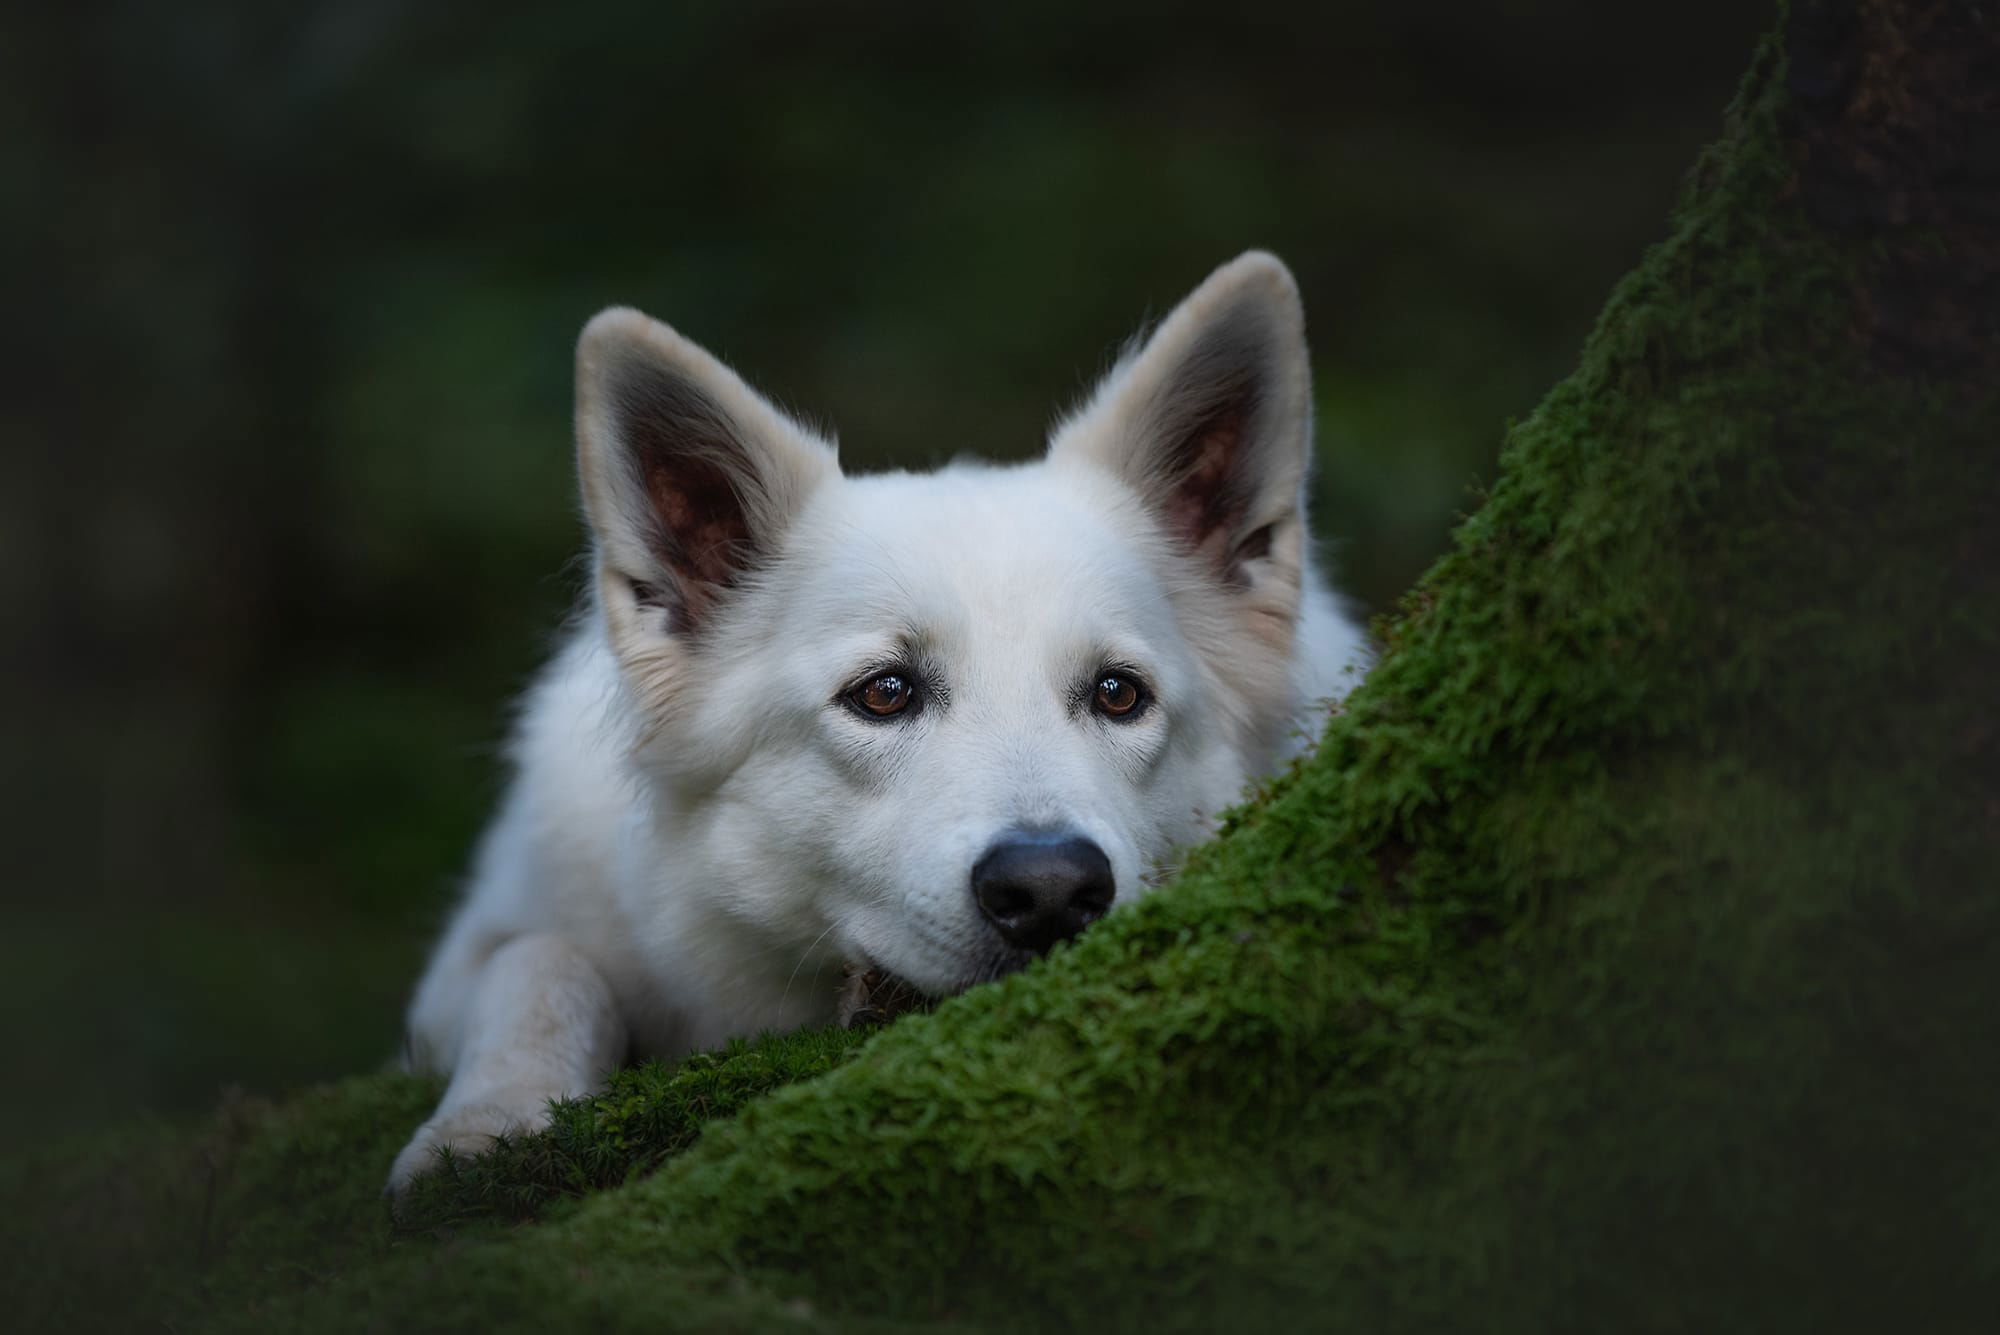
[1038, 889]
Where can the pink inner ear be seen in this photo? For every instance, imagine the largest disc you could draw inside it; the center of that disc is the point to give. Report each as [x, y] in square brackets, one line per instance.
[1206, 504]
[703, 536]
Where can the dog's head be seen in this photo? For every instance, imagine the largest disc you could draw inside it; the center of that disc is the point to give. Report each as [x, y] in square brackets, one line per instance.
[939, 722]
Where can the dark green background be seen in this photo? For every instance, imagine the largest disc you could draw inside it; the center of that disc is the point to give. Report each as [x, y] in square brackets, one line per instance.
[285, 494]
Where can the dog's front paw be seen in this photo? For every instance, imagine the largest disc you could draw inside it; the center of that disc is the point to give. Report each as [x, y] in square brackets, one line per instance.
[466, 1130]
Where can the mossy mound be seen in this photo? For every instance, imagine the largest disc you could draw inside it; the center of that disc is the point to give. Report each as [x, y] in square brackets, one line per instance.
[1624, 956]
[645, 1115]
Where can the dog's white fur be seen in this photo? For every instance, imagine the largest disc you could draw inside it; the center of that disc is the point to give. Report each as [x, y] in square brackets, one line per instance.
[703, 829]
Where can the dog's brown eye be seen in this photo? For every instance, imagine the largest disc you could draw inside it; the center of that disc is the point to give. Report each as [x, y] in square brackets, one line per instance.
[886, 695]
[1118, 697]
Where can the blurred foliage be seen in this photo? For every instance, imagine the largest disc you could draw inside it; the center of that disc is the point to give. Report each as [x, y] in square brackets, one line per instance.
[285, 498]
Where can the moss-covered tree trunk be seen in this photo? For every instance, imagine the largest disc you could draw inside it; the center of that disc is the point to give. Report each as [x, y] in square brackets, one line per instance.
[1628, 956]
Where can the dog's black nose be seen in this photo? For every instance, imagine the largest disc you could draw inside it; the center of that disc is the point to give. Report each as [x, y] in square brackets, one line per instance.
[1039, 889]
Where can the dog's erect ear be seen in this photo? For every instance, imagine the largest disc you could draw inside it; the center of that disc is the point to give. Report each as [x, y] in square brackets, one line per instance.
[1211, 420]
[690, 477]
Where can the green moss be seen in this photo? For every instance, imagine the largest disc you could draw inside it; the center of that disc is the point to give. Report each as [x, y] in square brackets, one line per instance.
[171, 1226]
[1622, 956]
[645, 1115]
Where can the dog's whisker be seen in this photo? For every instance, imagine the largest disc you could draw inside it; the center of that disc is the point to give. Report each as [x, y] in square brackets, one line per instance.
[787, 995]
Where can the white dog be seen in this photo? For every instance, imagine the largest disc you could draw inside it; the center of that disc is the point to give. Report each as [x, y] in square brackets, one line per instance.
[926, 724]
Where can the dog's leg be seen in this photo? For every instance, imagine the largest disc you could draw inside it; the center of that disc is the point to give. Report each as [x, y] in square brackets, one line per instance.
[543, 1025]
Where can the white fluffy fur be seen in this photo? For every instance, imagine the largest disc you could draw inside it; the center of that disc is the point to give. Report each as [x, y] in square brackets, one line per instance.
[700, 833]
